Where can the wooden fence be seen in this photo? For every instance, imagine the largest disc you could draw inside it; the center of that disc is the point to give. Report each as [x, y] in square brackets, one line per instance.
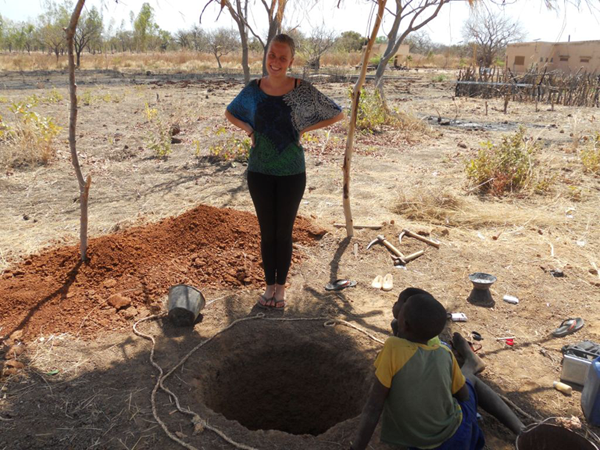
[555, 88]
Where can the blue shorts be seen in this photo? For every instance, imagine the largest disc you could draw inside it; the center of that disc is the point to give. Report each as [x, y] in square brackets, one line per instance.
[468, 436]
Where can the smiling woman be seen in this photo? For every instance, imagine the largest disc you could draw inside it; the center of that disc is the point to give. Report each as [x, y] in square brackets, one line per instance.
[275, 111]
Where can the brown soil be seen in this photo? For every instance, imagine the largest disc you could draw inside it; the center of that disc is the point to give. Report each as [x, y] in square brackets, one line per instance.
[128, 273]
[76, 376]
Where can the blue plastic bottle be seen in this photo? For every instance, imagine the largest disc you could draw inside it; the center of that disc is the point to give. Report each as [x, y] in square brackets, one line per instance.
[590, 397]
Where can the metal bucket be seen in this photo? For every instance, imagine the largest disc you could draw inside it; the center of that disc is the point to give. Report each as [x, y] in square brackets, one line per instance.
[185, 303]
[545, 436]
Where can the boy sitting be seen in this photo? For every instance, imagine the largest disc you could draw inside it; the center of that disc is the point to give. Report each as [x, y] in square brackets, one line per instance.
[425, 399]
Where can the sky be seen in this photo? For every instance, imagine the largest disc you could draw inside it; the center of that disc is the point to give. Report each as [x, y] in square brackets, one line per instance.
[538, 22]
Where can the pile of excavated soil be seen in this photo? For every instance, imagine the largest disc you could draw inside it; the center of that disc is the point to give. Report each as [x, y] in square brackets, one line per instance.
[129, 273]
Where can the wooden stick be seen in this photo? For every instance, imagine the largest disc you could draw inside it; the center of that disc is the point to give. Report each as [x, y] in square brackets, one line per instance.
[414, 255]
[421, 238]
[353, 117]
[358, 227]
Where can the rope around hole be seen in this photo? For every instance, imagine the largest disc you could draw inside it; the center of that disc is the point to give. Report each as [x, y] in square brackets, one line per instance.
[196, 419]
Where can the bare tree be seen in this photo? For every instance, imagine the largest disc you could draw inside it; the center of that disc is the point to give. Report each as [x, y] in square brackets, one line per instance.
[321, 39]
[238, 10]
[88, 32]
[52, 24]
[410, 16]
[491, 33]
[84, 186]
[353, 116]
[221, 42]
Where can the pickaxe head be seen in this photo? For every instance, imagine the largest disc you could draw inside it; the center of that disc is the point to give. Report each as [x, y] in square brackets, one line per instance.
[380, 238]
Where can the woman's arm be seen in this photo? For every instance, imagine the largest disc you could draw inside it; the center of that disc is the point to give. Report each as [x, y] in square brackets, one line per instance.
[240, 124]
[370, 415]
[323, 123]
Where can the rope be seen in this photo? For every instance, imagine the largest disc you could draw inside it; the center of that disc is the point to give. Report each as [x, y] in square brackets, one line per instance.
[199, 422]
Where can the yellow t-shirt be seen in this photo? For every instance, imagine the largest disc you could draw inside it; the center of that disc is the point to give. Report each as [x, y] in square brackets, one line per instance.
[420, 410]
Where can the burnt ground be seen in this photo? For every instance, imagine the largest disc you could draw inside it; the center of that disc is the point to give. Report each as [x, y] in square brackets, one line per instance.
[75, 374]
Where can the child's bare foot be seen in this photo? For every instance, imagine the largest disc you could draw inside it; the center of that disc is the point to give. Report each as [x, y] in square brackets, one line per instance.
[473, 362]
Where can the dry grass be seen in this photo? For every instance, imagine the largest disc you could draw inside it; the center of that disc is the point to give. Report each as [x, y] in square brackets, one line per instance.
[441, 206]
[27, 141]
[188, 61]
[170, 61]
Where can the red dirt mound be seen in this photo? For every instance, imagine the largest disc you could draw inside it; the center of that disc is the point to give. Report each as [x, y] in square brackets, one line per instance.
[129, 272]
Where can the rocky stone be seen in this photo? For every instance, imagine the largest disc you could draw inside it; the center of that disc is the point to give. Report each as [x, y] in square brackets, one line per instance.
[111, 282]
[13, 364]
[119, 301]
[15, 351]
[129, 313]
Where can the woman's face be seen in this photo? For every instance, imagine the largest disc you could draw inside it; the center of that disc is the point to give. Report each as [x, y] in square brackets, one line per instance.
[279, 59]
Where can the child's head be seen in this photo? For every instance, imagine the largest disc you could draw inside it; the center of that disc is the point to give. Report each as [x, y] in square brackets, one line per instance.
[422, 317]
[405, 295]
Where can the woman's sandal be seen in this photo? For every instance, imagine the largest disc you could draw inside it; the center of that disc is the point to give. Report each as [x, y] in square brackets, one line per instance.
[270, 303]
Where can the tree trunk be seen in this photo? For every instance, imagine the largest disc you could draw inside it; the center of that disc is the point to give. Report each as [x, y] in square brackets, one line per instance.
[270, 36]
[244, 40]
[84, 187]
[394, 41]
[353, 115]
[78, 59]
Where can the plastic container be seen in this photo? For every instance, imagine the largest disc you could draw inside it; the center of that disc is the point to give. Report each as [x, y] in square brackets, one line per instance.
[562, 387]
[590, 396]
[185, 303]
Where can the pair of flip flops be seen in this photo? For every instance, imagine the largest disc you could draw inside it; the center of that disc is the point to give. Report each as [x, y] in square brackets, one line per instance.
[568, 326]
[270, 303]
[338, 285]
[385, 283]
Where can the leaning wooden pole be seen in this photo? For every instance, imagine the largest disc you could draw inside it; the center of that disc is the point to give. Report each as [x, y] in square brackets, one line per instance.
[355, 99]
[84, 186]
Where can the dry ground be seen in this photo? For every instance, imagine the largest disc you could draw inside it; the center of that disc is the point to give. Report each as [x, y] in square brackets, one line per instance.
[94, 392]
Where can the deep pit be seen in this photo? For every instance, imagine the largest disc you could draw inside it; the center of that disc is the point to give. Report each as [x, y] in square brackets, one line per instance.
[297, 377]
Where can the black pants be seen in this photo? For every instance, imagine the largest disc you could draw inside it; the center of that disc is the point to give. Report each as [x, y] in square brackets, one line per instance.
[276, 200]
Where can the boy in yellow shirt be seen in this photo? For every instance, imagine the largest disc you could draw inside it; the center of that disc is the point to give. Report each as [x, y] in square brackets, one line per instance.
[426, 401]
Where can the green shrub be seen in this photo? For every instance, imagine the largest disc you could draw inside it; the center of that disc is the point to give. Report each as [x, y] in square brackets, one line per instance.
[590, 155]
[371, 111]
[507, 167]
[439, 78]
[159, 139]
[375, 60]
[229, 147]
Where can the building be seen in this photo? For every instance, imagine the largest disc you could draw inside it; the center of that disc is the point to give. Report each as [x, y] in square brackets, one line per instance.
[399, 58]
[568, 57]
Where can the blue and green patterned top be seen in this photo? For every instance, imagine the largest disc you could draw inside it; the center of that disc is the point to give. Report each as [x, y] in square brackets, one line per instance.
[277, 122]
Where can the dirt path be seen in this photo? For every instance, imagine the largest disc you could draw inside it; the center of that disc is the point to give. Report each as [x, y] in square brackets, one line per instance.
[87, 379]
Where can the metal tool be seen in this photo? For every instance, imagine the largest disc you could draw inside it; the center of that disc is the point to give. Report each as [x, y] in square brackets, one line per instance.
[409, 233]
[380, 239]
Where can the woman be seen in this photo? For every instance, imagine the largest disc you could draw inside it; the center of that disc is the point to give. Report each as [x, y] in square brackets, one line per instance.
[275, 112]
